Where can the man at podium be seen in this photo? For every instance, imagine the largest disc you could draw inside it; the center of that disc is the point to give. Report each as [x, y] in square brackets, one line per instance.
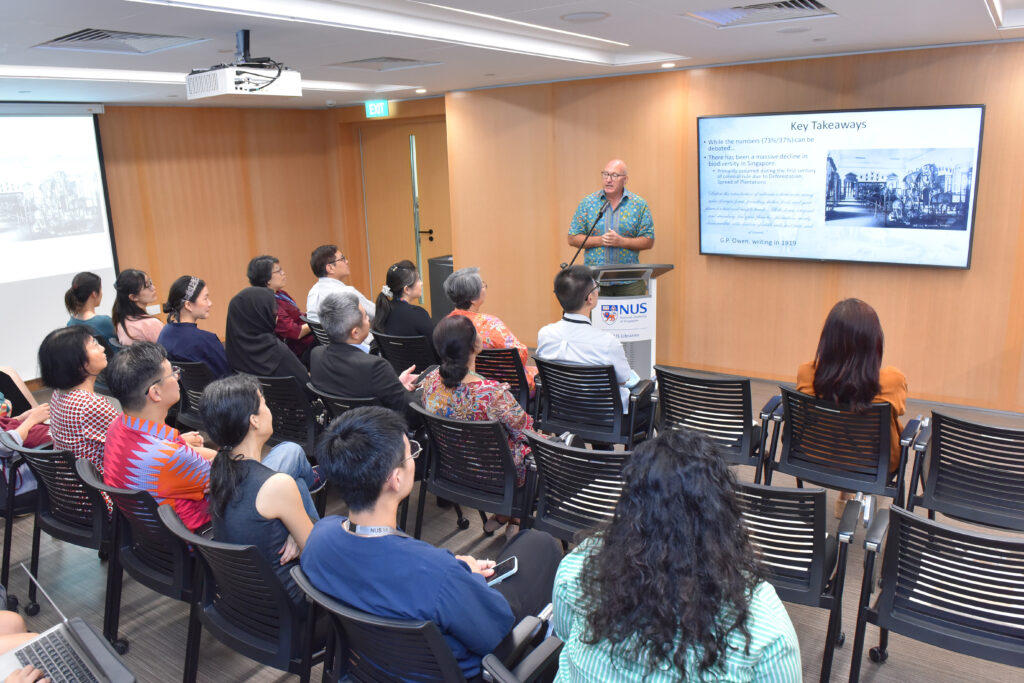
[624, 228]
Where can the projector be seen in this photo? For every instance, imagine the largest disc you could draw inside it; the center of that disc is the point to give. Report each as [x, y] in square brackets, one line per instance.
[232, 79]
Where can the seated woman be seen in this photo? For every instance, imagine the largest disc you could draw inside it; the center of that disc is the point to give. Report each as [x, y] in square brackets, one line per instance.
[847, 369]
[454, 390]
[187, 303]
[251, 344]
[135, 291]
[467, 291]
[396, 314]
[28, 428]
[81, 300]
[250, 503]
[689, 605]
[266, 271]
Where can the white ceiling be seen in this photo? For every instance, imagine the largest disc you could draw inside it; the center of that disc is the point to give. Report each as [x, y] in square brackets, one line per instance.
[653, 29]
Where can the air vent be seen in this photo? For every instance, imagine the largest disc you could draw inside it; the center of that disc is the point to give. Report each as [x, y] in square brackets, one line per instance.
[383, 64]
[762, 13]
[117, 42]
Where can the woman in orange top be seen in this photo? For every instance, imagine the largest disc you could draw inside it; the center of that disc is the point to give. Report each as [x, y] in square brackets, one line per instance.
[847, 369]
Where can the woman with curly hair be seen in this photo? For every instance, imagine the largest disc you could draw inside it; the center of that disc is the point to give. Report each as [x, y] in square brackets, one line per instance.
[671, 589]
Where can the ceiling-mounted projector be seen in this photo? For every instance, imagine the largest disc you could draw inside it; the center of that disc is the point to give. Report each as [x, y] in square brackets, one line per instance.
[245, 76]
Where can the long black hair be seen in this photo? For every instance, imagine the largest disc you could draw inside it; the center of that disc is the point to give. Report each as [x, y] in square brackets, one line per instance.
[129, 283]
[674, 569]
[399, 276]
[183, 289]
[84, 285]
[454, 340]
[226, 407]
[849, 355]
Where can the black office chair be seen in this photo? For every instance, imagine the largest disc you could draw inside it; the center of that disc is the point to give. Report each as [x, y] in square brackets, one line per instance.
[585, 400]
[804, 563]
[385, 649]
[505, 365]
[718, 408]
[957, 589]
[148, 551]
[243, 604]
[469, 463]
[318, 331]
[296, 418]
[969, 471]
[577, 488]
[336, 406]
[66, 508]
[403, 352]
[193, 380]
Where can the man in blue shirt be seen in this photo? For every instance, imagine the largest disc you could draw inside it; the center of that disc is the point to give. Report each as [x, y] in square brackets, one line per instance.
[625, 229]
[366, 562]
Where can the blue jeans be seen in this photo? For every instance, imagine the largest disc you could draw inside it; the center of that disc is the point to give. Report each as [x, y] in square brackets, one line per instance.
[289, 458]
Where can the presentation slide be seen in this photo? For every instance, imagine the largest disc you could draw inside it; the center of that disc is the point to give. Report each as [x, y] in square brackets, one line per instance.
[882, 186]
[53, 224]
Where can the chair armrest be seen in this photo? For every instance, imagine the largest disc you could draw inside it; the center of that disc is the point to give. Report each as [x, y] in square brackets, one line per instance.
[512, 646]
[770, 408]
[910, 431]
[542, 659]
[924, 437]
[848, 524]
[644, 387]
[876, 532]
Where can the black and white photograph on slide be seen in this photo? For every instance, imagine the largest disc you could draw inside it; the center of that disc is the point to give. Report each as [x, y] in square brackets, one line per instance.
[899, 188]
[52, 204]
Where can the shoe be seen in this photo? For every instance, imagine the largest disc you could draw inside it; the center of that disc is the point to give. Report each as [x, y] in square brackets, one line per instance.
[491, 525]
[510, 531]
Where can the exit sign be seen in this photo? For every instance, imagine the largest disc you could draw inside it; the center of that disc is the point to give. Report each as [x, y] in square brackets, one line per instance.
[376, 109]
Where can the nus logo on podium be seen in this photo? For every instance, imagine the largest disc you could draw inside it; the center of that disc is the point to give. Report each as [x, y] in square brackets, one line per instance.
[627, 312]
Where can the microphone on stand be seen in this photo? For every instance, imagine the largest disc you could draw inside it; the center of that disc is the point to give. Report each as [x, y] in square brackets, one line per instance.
[604, 207]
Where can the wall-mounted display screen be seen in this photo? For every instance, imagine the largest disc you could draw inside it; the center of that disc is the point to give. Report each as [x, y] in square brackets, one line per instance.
[879, 186]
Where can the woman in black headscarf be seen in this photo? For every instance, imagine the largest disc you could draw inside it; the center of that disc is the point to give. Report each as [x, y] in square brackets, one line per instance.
[250, 342]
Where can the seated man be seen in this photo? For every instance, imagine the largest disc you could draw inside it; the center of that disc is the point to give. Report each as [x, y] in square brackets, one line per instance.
[143, 452]
[365, 562]
[331, 267]
[346, 368]
[574, 340]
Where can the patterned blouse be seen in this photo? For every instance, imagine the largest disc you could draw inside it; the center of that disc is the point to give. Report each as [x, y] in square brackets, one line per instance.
[485, 400]
[78, 423]
[494, 334]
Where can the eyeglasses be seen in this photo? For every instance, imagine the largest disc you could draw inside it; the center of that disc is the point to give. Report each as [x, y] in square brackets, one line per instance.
[592, 290]
[175, 373]
[614, 176]
[150, 285]
[277, 271]
[415, 449]
[340, 258]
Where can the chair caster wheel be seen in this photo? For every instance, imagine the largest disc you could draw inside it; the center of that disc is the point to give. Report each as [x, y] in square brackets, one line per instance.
[32, 609]
[463, 524]
[104, 555]
[12, 603]
[121, 646]
[878, 654]
[840, 639]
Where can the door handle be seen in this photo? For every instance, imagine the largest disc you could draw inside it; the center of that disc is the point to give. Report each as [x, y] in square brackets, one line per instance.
[428, 232]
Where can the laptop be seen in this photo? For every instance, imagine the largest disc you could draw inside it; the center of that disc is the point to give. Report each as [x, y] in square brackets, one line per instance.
[70, 652]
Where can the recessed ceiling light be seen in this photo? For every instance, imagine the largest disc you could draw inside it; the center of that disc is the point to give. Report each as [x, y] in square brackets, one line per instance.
[420, 91]
[584, 17]
[24, 92]
[172, 96]
[818, 40]
[490, 75]
[668, 65]
[794, 29]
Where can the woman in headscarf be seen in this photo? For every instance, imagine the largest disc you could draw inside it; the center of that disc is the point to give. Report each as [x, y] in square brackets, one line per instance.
[251, 344]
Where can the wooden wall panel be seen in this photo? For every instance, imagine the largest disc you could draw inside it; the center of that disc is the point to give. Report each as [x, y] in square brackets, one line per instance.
[520, 158]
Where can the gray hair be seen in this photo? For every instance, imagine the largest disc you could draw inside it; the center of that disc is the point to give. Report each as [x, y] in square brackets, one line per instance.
[339, 313]
[462, 286]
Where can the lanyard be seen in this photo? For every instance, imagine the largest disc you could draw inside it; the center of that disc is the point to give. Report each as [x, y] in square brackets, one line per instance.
[373, 531]
[575, 322]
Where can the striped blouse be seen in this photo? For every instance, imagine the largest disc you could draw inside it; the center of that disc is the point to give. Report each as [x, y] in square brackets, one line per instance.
[774, 651]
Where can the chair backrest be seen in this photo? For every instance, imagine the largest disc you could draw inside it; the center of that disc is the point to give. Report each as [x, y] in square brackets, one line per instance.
[148, 551]
[975, 472]
[318, 331]
[578, 489]
[339, 405]
[718, 408]
[582, 399]
[829, 445]
[67, 508]
[194, 378]
[505, 365]
[958, 589]
[384, 649]
[244, 604]
[787, 526]
[470, 462]
[402, 352]
[294, 416]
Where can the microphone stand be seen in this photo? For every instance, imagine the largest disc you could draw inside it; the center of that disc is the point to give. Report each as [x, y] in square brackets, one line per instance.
[604, 206]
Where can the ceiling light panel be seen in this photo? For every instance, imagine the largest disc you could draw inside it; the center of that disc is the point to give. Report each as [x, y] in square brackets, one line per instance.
[116, 42]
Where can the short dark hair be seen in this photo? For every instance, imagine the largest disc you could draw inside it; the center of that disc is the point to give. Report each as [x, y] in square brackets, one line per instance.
[358, 452]
[62, 357]
[320, 257]
[454, 339]
[133, 370]
[572, 286]
[261, 269]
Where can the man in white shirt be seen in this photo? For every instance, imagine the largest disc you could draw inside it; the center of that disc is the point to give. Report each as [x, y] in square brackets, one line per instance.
[331, 267]
[574, 340]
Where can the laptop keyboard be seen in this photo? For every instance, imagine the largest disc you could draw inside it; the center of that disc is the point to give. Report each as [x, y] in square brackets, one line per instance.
[54, 655]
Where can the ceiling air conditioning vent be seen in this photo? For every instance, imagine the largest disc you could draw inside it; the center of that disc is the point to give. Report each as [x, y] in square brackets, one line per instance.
[384, 64]
[117, 42]
[762, 13]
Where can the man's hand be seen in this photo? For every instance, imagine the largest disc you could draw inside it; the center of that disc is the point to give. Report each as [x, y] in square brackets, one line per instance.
[289, 551]
[193, 439]
[484, 568]
[27, 675]
[613, 239]
[408, 379]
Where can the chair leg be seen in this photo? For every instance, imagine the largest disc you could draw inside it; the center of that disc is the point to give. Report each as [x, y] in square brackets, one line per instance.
[461, 521]
[858, 648]
[112, 606]
[195, 632]
[483, 516]
[12, 483]
[32, 608]
[833, 637]
[403, 513]
[881, 653]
